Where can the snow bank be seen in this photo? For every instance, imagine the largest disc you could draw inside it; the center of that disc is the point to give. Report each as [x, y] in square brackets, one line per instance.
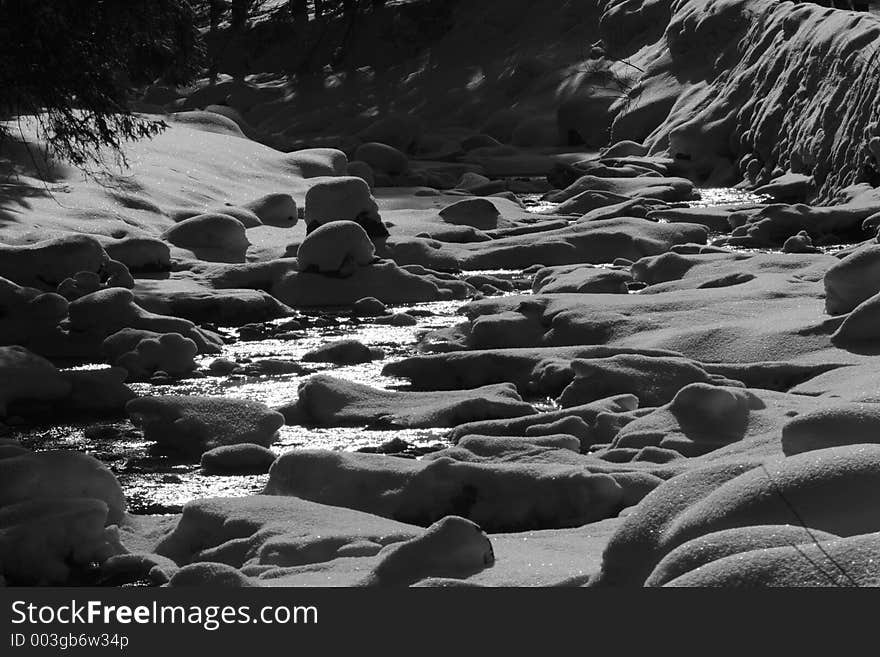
[824, 490]
[752, 88]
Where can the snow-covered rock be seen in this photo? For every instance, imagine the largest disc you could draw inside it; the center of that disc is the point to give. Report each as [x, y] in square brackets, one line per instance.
[344, 198]
[212, 237]
[336, 247]
[274, 210]
[194, 425]
[47, 263]
[24, 376]
[327, 401]
[343, 352]
[60, 474]
[142, 353]
[382, 157]
[498, 497]
[50, 540]
[237, 459]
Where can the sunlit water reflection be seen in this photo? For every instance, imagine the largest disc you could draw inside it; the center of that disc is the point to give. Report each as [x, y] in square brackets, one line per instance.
[730, 196]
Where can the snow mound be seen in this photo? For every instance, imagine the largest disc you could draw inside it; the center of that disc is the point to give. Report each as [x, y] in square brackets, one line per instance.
[244, 458]
[274, 531]
[335, 247]
[194, 425]
[211, 237]
[821, 562]
[143, 353]
[274, 210]
[452, 547]
[832, 426]
[48, 541]
[655, 381]
[383, 280]
[497, 496]
[343, 352]
[46, 264]
[60, 474]
[728, 542]
[382, 157]
[24, 376]
[580, 279]
[103, 313]
[343, 198]
[824, 490]
[328, 401]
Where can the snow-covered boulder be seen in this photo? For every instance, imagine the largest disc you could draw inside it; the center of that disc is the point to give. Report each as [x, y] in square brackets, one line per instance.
[275, 210]
[497, 496]
[452, 547]
[344, 198]
[382, 157]
[244, 458]
[194, 425]
[212, 237]
[343, 352]
[729, 542]
[101, 314]
[337, 247]
[327, 401]
[142, 353]
[26, 377]
[28, 314]
[270, 530]
[48, 541]
[827, 490]
[654, 381]
[477, 212]
[60, 474]
[316, 162]
[361, 170]
[855, 279]
[45, 264]
[821, 561]
[833, 425]
[140, 253]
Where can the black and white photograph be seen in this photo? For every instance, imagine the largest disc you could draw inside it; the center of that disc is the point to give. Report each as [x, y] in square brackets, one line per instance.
[308, 294]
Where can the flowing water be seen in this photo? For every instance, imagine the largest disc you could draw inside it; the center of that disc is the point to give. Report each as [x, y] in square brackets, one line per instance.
[157, 482]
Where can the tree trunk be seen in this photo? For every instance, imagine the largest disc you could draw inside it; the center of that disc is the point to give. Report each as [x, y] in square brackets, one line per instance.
[299, 10]
[215, 13]
[240, 14]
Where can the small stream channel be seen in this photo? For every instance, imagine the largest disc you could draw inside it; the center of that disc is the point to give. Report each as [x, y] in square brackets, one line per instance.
[155, 481]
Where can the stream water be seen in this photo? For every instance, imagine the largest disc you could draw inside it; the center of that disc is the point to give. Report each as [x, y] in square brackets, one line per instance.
[158, 482]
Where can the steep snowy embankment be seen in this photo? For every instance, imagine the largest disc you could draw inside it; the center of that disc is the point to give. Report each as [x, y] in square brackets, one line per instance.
[755, 88]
